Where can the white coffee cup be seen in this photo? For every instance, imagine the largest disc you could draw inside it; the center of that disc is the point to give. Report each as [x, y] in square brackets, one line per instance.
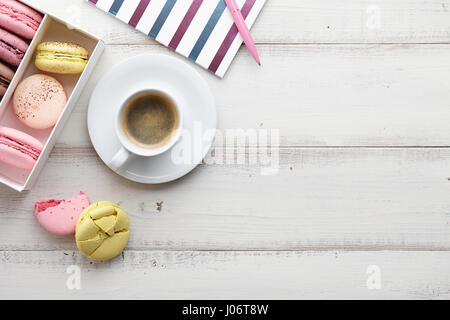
[129, 148]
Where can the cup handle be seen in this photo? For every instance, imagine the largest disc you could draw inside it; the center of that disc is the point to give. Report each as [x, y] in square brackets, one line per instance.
[119, 159]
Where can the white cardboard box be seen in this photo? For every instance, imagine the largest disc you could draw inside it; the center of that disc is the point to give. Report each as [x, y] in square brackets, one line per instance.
[51, 29]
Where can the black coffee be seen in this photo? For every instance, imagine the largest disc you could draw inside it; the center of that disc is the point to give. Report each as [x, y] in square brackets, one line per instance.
[150, 120]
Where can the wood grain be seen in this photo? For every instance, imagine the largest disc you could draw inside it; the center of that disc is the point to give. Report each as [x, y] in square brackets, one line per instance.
[341, 95]
[306, 21]
[359, 92]
[225, 275]
[394, 199]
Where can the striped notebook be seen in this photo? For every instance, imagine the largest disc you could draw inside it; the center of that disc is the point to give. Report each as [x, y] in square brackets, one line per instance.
[201, 30]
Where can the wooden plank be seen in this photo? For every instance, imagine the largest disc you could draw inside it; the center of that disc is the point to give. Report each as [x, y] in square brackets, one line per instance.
[228, 275]
[221, 224]
[307, 21]
[319, 199]
[358, 95]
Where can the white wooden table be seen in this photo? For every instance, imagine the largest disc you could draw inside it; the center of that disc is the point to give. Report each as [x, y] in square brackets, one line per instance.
[360, 91]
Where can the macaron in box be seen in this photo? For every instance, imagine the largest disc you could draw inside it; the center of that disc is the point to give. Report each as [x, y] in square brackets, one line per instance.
[26, 28]
[19, 18]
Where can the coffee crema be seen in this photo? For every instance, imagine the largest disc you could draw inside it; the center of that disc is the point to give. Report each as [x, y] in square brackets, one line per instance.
[150, 120]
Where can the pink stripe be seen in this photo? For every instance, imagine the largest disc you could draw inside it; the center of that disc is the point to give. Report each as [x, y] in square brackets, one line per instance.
[190, 14]
[93, 1]
[137, 15]
[226, 44]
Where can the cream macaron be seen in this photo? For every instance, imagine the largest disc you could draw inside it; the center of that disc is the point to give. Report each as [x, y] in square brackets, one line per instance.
[39, 100]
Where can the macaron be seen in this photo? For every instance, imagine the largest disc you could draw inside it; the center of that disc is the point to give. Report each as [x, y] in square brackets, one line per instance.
[61, 57]
[12, 48]
[102, 231]
[39, 100]
[6, 75]
[19, 149]
[19, 18]
[60, 216]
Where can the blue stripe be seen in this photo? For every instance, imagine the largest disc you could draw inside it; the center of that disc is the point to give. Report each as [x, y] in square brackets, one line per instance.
[207, 30]
[162, 18]
[115, 7]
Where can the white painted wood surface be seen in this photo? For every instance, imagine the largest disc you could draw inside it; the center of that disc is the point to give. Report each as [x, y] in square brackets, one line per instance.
[237, 274]
[360, 93]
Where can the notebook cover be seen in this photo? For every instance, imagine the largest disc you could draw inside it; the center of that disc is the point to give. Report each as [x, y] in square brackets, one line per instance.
[201, 30]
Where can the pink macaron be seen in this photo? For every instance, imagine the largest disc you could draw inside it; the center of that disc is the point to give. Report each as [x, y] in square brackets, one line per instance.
[12, 48]
[19, 149]
[39, 100]
[60, 216]
[19, 18]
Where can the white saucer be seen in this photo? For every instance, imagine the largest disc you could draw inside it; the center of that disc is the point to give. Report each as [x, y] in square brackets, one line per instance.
[144, 72]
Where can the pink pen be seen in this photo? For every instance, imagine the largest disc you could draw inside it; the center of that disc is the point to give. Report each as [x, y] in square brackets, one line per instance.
[242, 27]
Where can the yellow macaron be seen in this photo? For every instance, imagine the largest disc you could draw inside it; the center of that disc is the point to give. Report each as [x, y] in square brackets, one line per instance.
[102, 231]
[61, 57]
